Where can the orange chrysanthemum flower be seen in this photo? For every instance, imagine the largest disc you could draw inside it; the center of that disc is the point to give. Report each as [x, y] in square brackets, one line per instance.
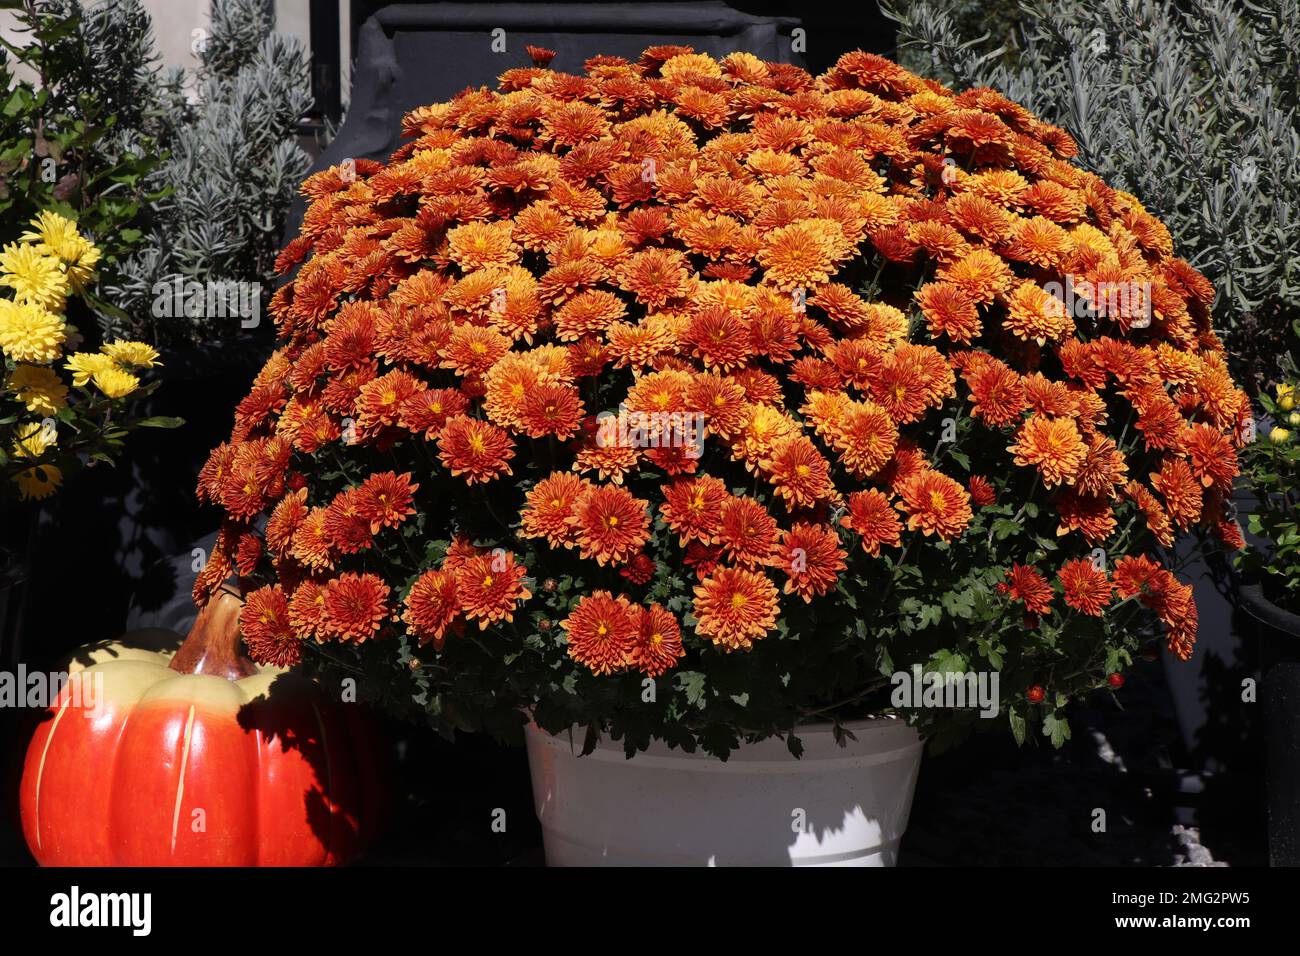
[1035, 315]
[721, 338]
[354, 607]
[311, 543]
[654, 276]
[1133, 573]
[1053, 446]
[1038, 241]
[935, 504]
[380, 401]
[549, 507]
[1088, 514]
[981, 274]
[284, 522]
[609, 462]
[426, 412]
[432, 606]
[950, 311]
[1030, 588]
[658, 644]
[799, 474]
[693, 509]
[603, 632]
[1182, 493]
[1087, 588]
[981, 218]
[488, 586]
[479, 450]
[347, 530]
[1158, 521]
[1213, 459]
[797, 255]
[640, 570]
[866, 438]
[476, 245]
[747, 533]
[812, 559]
[307, 608]
[735, 607]
[551, 408]
[874, 520]
[472, 350]
[997, 393]
[592, 311]
[267, 631]
[611, 524]
[1103, 468]
[982, 492]
[386, 499]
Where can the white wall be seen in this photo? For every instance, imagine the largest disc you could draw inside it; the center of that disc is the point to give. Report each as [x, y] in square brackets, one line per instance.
[176, 22]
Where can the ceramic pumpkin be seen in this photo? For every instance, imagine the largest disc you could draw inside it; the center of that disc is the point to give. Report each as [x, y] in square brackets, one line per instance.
[198, 758]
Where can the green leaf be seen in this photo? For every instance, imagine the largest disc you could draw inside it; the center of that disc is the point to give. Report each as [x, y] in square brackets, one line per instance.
[1017, 726]
[947, 662]
[1057, 728]
[692, 683]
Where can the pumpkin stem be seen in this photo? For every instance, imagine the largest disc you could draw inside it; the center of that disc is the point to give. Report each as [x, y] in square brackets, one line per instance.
[214, 645]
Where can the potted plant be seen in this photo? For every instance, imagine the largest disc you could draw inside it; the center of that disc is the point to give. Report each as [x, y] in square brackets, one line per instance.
[1269, 590]
[748, 424]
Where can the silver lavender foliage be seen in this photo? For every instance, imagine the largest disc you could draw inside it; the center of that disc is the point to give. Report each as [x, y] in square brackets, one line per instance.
[232, 162]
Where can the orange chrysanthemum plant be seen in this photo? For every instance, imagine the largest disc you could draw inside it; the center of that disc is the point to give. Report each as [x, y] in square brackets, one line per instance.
[694, 399]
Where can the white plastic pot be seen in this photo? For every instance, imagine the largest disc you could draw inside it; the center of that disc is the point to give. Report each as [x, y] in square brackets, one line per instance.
[836, 806]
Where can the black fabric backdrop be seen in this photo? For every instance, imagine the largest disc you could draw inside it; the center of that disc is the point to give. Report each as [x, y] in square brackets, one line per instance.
[412, 55]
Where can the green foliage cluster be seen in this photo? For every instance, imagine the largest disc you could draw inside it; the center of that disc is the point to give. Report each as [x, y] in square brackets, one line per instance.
[1271, 467]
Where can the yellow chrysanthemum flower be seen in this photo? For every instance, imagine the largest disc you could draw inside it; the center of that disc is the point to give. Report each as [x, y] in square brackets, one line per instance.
[136, 354]
[54, 234]
[58, 236]
[35, 276]
[114, 382]
[83, 365]
[81, 270]
[30, 333]
[39, 388]
[39, 482]
[32, 439]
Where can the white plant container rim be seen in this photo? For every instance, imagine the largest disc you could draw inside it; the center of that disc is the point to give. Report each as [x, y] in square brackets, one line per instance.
[771, 755]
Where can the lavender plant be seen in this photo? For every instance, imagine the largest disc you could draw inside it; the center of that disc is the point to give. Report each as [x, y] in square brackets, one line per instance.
[232, 167]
